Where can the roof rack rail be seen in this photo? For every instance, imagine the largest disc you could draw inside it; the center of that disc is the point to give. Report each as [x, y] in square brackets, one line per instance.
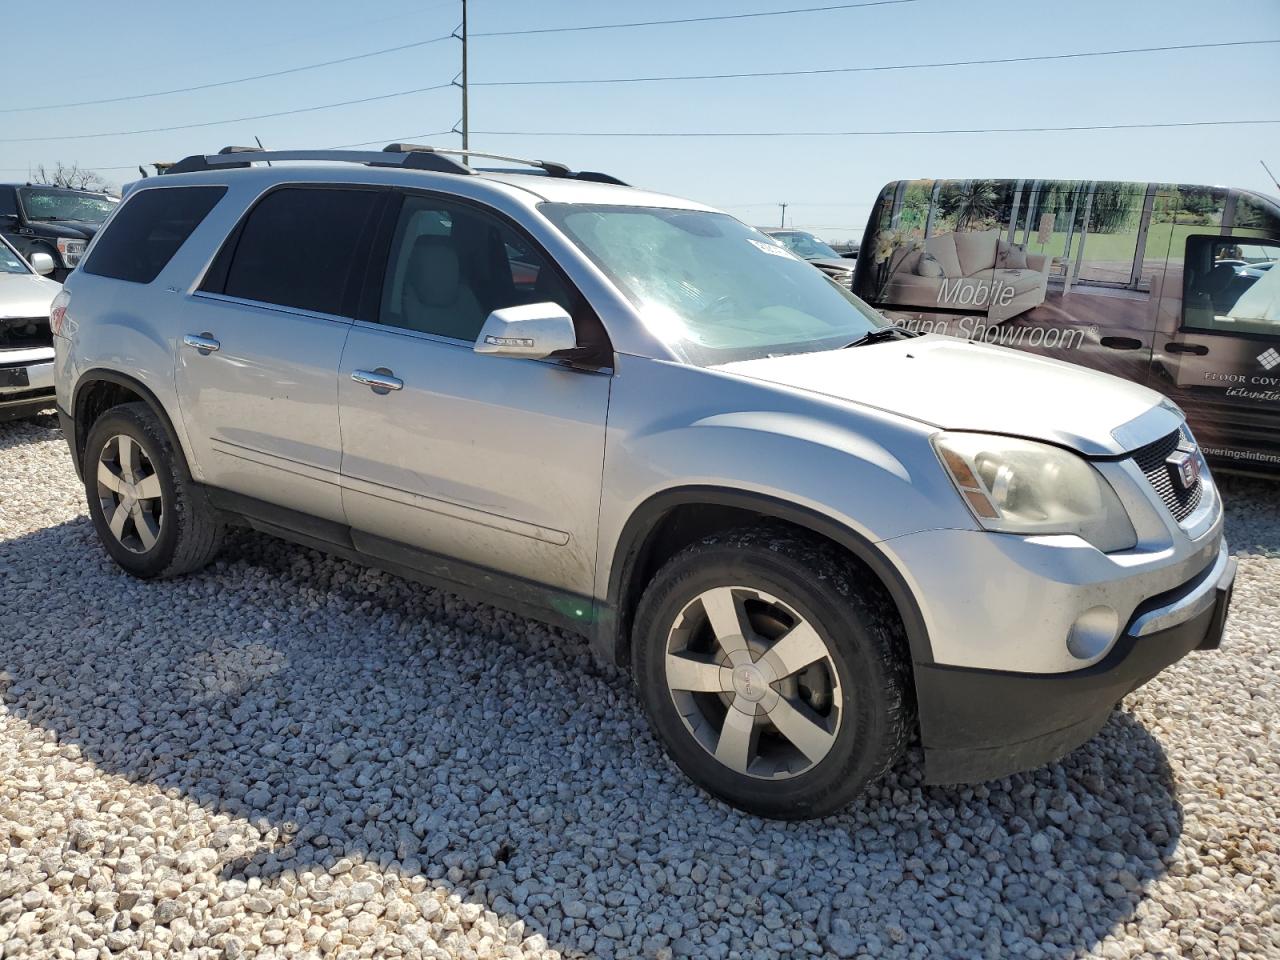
[229, 157]
[409, 156]
[550, 167]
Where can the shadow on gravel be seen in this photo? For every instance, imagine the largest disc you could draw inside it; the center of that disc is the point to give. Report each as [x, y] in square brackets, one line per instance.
[1246, 501]
[365, 717]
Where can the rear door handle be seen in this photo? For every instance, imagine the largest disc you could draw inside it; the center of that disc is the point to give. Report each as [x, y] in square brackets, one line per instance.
[204, 343]
[1122, 343]
[1198, 349]
[381, 380]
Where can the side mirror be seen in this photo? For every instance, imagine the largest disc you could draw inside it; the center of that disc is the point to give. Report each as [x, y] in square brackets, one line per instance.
[533, 331]
[42, 264]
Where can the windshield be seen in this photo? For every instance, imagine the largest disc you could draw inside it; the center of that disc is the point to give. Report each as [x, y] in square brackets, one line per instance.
[806, 245]
[64, 205]
[711, 287]
[10, 262]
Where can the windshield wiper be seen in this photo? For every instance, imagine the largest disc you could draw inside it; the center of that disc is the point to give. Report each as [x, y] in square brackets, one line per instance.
[880, 335]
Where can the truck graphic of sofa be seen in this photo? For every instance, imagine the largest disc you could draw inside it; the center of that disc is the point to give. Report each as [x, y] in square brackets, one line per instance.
[972, 270]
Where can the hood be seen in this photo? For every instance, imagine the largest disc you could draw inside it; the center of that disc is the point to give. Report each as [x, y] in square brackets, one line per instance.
[26, 295]
[69, 229]
[956, 385]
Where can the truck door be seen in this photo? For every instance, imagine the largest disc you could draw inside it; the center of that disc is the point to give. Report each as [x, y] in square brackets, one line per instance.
[1218, 349]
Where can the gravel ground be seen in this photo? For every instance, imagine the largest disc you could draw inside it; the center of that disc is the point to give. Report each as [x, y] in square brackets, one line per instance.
[289, 755]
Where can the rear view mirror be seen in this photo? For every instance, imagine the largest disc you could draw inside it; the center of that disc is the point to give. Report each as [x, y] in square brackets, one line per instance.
[533, 331]
[42, 264]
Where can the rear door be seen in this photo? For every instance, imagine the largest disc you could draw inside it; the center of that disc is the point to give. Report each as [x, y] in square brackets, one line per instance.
[494, 462]
[258, 364]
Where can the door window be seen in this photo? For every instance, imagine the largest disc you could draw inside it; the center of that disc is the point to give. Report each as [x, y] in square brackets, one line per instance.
[301, 248]
[8, 206]
[1231, 285]
[450, 266]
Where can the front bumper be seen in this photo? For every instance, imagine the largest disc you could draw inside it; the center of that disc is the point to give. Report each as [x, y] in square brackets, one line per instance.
[978, 725]
[26, 381]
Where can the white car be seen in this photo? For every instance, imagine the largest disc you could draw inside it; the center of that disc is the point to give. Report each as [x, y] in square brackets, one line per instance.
[26, 347]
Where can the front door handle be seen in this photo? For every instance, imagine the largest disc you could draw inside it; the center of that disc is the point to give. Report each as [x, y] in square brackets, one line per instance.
[1198, 349]
[381, 380]
[203, 343]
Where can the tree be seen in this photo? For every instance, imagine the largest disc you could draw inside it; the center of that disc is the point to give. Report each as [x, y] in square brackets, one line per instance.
[69, 175]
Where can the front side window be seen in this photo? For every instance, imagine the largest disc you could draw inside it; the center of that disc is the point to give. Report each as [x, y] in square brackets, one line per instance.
[298, 249]
[148, 231]
[41, 204]
[712, 288]
[10, 262]
[1231, 285]
[450, 266]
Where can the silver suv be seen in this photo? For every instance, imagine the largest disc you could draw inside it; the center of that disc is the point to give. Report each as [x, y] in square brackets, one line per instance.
[810, 535]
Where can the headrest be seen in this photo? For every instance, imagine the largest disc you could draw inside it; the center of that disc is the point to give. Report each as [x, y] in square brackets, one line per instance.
[433, 271]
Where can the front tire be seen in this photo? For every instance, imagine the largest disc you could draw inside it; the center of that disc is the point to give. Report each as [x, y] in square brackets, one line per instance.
[775, 671]
[149, 514]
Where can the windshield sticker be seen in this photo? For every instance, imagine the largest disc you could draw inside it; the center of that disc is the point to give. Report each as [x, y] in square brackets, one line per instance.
[774, 250]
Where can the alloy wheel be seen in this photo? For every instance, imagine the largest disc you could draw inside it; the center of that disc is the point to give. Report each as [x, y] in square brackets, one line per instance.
[753, 682]
[129, 493]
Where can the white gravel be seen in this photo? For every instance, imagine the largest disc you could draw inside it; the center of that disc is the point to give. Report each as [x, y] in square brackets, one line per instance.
[289, 755]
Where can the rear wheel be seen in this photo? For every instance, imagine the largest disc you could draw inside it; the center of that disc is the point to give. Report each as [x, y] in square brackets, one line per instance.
[148, 513]
[774, 671]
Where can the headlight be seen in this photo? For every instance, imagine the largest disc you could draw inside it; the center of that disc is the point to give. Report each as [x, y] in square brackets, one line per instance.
[1019, 486]
[71, 250]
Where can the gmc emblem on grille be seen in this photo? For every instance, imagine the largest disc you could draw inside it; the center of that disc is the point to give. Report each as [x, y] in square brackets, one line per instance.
[1185, 466]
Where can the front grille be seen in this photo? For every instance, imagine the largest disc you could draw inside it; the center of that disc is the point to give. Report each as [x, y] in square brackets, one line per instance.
[25, 332]
[1151, 460]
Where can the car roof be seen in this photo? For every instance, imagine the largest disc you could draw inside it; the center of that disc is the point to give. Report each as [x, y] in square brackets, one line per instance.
[527, 188]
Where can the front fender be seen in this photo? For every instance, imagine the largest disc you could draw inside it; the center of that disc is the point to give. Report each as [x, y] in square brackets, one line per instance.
[856, 475]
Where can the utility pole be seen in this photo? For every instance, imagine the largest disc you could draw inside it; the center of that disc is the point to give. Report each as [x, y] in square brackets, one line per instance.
[461, 34]
[784, 206]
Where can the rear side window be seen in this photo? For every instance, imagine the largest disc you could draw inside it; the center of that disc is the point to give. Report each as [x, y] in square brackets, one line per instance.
[148, 230]
[301, 248]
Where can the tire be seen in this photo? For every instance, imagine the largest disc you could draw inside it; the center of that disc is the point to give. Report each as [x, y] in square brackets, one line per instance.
[172, 530]
[857, 694]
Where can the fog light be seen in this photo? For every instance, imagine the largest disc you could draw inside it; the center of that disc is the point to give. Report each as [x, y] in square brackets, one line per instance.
[1093, 631]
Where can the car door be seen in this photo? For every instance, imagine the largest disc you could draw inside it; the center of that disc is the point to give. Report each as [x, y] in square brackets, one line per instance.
[1220, 357]
[491, 465]
[257, 363]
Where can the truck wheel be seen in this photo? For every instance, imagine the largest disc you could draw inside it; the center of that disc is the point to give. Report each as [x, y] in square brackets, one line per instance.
[149, 515]
[774, 670]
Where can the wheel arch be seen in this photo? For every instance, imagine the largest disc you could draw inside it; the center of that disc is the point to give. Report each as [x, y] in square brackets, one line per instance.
[672, 519]
[98, 390]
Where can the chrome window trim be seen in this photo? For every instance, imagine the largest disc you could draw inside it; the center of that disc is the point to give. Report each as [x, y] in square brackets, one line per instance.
[272, 307]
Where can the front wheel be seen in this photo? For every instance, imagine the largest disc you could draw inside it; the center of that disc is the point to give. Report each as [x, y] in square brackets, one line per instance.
[149, 515]
[774, 670]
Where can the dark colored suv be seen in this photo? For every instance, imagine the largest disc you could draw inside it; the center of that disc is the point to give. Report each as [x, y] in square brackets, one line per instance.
[59, 221]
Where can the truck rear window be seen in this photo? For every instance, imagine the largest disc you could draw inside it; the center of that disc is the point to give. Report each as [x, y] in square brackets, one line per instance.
[147, 231]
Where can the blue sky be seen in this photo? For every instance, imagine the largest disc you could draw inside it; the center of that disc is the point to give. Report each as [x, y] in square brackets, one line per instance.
[829, 182]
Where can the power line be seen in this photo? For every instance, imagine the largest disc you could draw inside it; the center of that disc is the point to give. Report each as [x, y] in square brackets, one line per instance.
[215, 123]
[864, 133]
[875, 69]
[663, 23]
[227, 83]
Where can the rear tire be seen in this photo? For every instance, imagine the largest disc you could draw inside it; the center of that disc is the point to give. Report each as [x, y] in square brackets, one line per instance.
[718, 631]
[149, 514]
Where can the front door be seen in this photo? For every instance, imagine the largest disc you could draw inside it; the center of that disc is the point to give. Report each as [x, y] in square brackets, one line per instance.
[1219, 355]
[485, 462]
[257, 368]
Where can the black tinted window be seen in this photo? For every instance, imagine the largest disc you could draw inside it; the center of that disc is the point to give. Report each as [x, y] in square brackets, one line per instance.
[8, 206]
[299, 249]
[148, 230]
